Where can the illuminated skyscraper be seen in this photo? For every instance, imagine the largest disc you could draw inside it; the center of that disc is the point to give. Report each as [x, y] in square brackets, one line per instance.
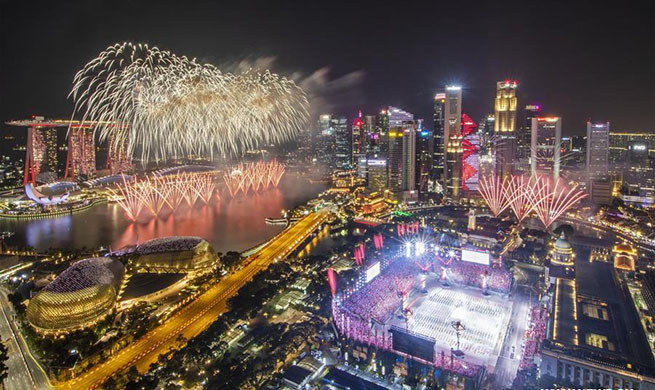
[372, 135]
[524, 136]
[342, 142]
[401, 151]
[359, 138]
[81, 159]
[598, 139]
[410, 129]
[505, 127]
[424, 153]
[377, 174]
[438, 157]
[382, 129]
[470, 154]
[453, 141]
[545, 146]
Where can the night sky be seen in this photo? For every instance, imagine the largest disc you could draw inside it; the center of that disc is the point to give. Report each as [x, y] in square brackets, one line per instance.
[579, 60]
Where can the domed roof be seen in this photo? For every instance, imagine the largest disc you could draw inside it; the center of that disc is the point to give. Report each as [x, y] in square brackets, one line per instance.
[95, 271]
[562, 245]
[168, 244]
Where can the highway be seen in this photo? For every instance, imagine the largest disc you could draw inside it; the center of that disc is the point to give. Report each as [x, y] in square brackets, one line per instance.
[23, 370]
[200, 313]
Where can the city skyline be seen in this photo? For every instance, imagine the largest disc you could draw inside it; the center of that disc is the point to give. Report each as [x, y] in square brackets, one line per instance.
[286, 195]
[566, 79]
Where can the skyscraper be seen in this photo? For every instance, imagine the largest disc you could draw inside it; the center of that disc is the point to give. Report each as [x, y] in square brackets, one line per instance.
[377, 174]
[342, 143]
[395, 160]
[438, 157]
[453, 141]
[359, 138]
[401, 151]
[410, 129]
[545, 146]
[81, 159]
[598, 139]
[524, 136]
[505, 127]
[424, 153]
[372, 135]
[470, 154]
[324, 142]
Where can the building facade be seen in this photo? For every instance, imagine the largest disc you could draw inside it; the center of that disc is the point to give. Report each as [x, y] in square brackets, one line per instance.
[597, 149]
[545, 146]
[438, 155]
[505, 127]
[453, 142]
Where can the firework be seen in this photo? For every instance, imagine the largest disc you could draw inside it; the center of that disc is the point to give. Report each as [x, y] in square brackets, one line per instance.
[520, 192]
[157, 192]
[168, 106]
[253, 176]
[548, 199]
[495, 193]
[554, 198]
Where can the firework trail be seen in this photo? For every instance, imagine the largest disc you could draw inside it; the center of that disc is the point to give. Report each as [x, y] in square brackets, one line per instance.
[495, 192]
[253, 176]
[547, 198]
[154, 193]
[168, 106]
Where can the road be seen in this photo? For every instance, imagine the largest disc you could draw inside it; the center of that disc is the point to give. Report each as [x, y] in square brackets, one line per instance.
[200, 313]
[24, 372]
[508, 362]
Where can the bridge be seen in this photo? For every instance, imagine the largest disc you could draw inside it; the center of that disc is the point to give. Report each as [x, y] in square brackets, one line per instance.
[200, 313]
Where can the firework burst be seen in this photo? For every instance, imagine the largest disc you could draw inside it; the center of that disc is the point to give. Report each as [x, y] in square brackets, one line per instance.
[168, 106]
[552, 198]
[495, 192]
[153, 194]
[253, 176]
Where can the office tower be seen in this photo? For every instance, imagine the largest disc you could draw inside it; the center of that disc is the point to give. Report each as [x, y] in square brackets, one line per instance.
[397, 117]
[324, 142]
[470, 154]
[424, 153]
[81, 158]
[401, 151]
[438, 157]
[342, 143]
[409, 155]
[524, 136]
[372, 135]
[505, 127]
[545, 146]
[359, 138]
[382, 129]
[453, 141]
[487, 125]
[377, 174]
[631, 156]
[395, 160]
[631, 146]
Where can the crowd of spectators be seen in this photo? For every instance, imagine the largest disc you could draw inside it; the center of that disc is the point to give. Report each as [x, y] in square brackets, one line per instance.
[471, 274]
[534, 335]
[379, 298]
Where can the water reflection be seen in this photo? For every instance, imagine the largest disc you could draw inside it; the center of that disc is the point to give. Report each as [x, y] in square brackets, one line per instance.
[231, 224]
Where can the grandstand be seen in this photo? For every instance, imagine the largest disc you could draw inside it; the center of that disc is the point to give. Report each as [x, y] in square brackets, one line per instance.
[411, 308]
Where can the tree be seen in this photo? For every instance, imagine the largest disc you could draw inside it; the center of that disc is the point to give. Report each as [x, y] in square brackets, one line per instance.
[4, 356]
